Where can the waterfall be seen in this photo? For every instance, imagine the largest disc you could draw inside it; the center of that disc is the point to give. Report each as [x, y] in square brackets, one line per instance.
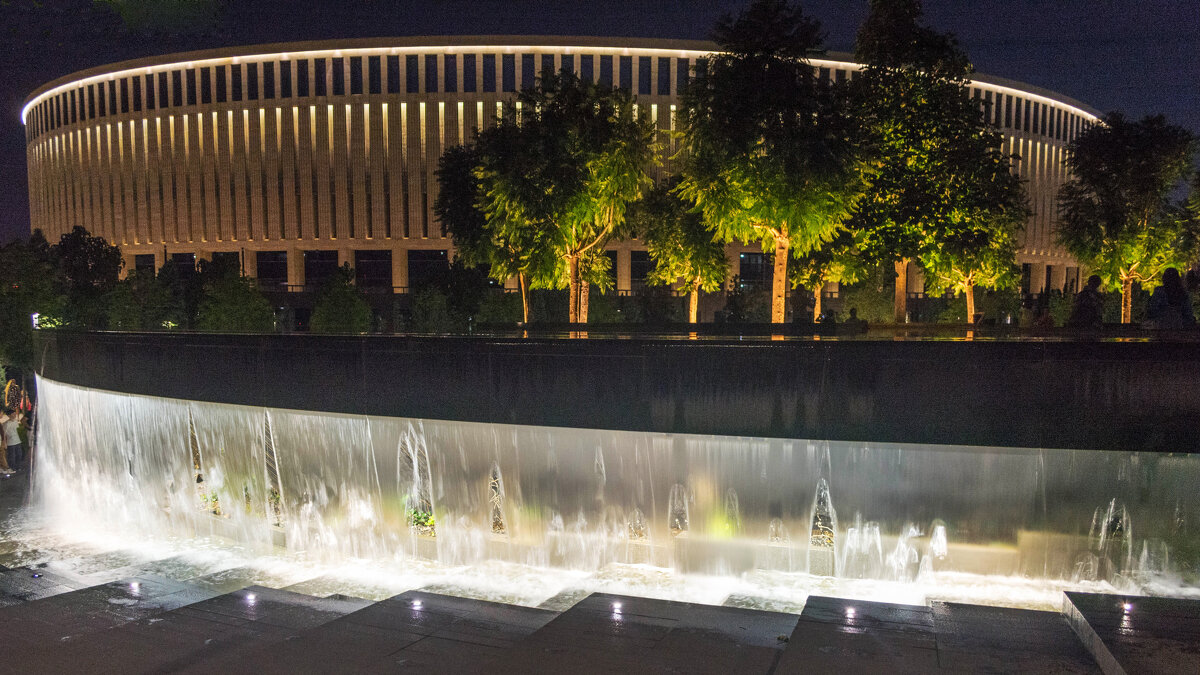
[335, 488]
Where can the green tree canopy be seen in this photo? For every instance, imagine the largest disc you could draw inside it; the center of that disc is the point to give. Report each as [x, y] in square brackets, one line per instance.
[505, 243]
[340, 306]
[682, 247]
[142, 301]
[1116, 215]
[769, 152]
[557, 173]
[232, 303]
[838, 261]
[943, 193]
[88, 268]
[27, 286]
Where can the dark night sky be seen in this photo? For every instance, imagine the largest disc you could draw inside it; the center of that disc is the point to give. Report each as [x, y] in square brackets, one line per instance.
[1139, 57]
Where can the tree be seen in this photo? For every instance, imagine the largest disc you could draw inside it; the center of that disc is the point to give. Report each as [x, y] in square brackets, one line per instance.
[943, 188]
[681, 246]
[28, 286]
[1116, 212]
[558, 172]
[142, 301]
[340, 306]
[769, 156]
[233, 304]
[89, 267]
[517, 249]
[838, 262]
[981, 253]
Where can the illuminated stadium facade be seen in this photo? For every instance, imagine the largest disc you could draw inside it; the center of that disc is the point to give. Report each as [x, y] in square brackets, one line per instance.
[297, 158]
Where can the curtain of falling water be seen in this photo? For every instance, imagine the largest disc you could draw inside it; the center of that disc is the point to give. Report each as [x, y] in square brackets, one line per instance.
[345, 486]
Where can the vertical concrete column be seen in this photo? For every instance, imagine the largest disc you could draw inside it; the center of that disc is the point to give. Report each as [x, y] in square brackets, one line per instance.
[1058, 277]
[1037, 277]
[916, 279]
[735, 264]
[249, 263]
[129, 259]
[624, 279]
[400, 267]
[346, 257]
[295, 267]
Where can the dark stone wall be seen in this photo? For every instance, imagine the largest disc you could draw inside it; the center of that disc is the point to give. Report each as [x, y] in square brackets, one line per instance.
[1137, 396]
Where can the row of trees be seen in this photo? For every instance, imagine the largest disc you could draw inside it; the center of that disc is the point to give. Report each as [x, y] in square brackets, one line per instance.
[76, 283]
[829, 178]
[896, 166]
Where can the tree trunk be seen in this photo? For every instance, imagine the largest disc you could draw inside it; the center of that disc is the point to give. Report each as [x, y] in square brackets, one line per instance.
[584, 291]
[694, 302]
[817, 303]
[900, 300]
[523, 282]
[572, 289]
[971, 303]
[1127, 300]
[779, 281]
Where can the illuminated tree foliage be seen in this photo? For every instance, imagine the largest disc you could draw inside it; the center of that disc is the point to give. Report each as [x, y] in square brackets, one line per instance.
[769, 154]
[681, 246]
[943, 193]
[519, 248]
[976, 244]
[1116, 212]
[557, 174]
[838, 261]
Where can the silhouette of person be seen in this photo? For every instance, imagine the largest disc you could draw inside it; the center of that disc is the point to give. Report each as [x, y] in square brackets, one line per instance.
[853, 324]
[1170, 306]
[1088, 310]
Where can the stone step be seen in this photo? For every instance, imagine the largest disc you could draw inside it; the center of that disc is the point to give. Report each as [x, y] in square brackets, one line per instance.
[416, 630]
[24, 584]
[861, 636]
[612, 633]
[1007, 639]
[53, 620]
[368, 589]
[217, 629]
[1136, 634]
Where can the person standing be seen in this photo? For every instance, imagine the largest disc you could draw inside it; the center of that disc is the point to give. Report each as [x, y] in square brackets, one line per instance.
[1170, 306]
[1088, 311]
[6, 416]
[15, 450]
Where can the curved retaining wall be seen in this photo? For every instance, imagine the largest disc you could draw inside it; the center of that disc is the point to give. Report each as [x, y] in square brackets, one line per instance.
[1094, 395]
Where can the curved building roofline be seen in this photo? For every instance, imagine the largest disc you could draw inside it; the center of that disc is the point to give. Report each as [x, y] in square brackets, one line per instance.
[451, 43]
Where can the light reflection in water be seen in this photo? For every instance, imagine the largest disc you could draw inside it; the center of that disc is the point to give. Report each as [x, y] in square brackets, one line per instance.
[521, 513]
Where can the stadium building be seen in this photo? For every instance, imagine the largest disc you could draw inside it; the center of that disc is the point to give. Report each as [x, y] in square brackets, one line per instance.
[297, 158]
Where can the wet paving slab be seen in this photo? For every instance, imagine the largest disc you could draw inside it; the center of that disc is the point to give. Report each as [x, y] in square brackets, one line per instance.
[211, 630]
[415, 630]
[157, 625]
[999, 639]
[837, 634]
[612, 633]
[67, 616]
[1137, 634]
